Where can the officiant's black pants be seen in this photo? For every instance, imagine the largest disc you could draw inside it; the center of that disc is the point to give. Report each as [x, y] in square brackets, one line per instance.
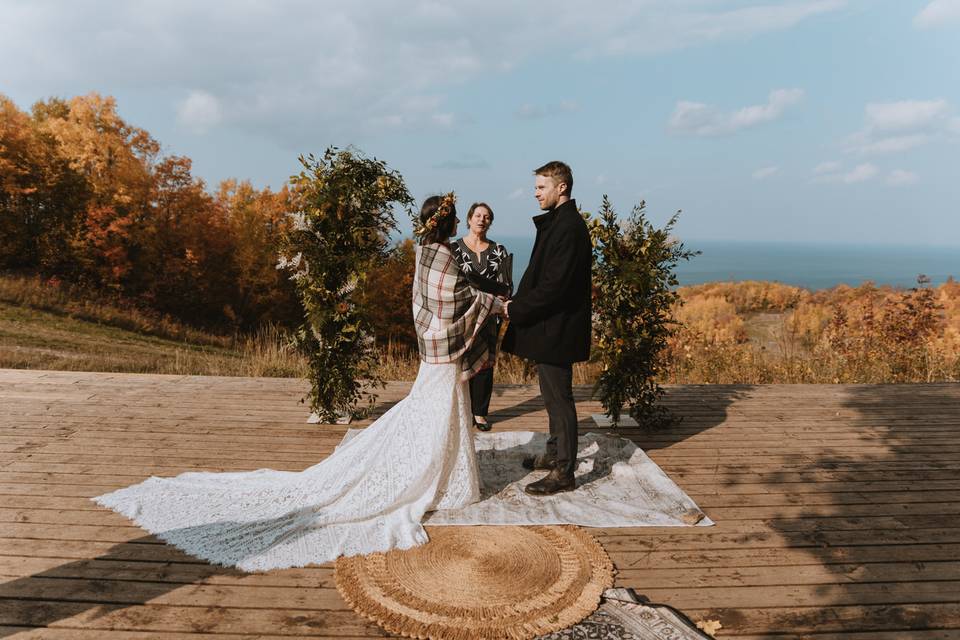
[556, 388]
[481, 388]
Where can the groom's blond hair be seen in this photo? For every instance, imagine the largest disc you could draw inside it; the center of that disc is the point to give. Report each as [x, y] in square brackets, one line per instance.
[558, 172]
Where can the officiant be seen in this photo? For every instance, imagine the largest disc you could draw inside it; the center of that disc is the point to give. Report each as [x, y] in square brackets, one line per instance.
[488, 267]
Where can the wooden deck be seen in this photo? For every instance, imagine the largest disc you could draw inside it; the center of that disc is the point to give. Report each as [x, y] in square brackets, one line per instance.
[838, 508]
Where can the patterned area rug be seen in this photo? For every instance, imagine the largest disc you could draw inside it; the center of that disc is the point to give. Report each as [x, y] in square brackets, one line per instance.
[622, 616]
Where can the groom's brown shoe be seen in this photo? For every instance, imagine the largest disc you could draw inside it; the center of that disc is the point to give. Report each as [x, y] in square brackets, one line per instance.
[540, 462]
[555, 482]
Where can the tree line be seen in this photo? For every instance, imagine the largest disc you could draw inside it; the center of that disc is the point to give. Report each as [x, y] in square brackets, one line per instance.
[88, 198]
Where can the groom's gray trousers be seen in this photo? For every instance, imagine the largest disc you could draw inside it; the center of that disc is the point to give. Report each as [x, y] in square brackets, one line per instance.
[556, 388]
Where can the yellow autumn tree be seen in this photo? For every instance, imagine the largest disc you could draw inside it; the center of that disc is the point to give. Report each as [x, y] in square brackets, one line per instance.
[114, 156]
[40, 195]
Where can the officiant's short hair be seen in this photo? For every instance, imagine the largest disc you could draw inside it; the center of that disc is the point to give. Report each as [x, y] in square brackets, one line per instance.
[476, 205]
[559, 172]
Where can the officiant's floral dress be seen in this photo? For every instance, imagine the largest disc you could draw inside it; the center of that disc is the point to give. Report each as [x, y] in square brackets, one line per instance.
[485, 271]
[372, 492]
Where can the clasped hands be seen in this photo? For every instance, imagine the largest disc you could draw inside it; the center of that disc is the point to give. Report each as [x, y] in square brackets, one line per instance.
[504, 307]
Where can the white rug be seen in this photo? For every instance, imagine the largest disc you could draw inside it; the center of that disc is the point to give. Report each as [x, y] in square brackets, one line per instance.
[618, 485]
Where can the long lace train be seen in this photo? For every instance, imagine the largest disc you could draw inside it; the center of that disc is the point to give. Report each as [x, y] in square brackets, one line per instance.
[368, 496]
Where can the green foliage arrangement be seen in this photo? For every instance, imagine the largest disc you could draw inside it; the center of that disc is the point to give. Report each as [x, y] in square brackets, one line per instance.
[634, 290]
[338, 235]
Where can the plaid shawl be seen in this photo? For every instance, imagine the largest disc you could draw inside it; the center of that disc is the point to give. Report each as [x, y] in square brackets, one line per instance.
[449, 314]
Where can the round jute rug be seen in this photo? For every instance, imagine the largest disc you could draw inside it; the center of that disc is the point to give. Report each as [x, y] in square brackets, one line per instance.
[480, 582]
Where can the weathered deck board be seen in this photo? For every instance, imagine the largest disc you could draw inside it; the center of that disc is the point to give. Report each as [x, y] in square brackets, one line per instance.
[838, 507]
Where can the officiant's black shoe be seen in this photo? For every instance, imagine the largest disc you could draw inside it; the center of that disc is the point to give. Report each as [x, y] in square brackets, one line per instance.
[540, 462]
[555, 482]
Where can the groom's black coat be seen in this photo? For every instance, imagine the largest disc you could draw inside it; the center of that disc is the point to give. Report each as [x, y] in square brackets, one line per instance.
[550, 313]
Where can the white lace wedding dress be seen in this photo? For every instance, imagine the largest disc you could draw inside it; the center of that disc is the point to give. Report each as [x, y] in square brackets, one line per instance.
[369, 495]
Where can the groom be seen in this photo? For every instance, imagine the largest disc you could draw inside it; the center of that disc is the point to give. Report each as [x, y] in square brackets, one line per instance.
[550, 320]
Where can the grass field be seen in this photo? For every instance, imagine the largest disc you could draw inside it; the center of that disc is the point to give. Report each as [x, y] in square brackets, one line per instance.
[36, 339]
[46, 325]
[746, 333]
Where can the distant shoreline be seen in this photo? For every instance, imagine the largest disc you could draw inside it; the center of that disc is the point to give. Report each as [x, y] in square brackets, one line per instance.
[812, 266]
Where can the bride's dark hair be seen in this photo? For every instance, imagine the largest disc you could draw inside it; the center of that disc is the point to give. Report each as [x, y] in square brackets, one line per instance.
[445, 225]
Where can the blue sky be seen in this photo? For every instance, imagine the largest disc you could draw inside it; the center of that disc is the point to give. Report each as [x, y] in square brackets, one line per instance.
[820, 120]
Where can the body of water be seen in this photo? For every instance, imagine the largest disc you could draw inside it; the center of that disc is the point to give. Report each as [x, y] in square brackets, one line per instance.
[814, 266]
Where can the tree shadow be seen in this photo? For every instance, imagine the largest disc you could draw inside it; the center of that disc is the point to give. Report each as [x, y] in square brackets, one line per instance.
[532, 404]
[695, 409]
[698, 408]
[873, 507]
[129, 574]
[499, 468]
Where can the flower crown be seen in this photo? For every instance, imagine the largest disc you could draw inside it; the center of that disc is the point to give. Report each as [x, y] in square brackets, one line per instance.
[445, 208]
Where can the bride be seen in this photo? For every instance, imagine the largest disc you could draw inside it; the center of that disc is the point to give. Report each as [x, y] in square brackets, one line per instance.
[372, 492]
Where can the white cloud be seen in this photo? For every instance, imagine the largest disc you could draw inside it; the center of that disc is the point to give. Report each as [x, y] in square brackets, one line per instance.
[905, 115]
[900, 177]
[831, 172]
[654, 26]
[200, 111]
[530, 111]
[294, 68]
[443, 120]
[518, 193]
[414, 112]
[535, 112]
[891, 127]
[830, 166]
[765, 172]
[937, 13]
[703, 120]
[892, 144]
[860, 173]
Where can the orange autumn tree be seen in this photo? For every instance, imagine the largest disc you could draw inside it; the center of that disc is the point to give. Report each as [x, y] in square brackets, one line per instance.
[147, 229]
[386, 295]
[115, 160]
[41, 195]
[183, 251]
[20, 179]
[257, 219]
[87, 196]
[114, 156]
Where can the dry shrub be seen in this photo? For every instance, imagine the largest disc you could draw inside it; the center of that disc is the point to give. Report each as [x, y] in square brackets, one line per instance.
[750, 295]
[713, 318]
[863, 334]
[890, 336]
[807, 322]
